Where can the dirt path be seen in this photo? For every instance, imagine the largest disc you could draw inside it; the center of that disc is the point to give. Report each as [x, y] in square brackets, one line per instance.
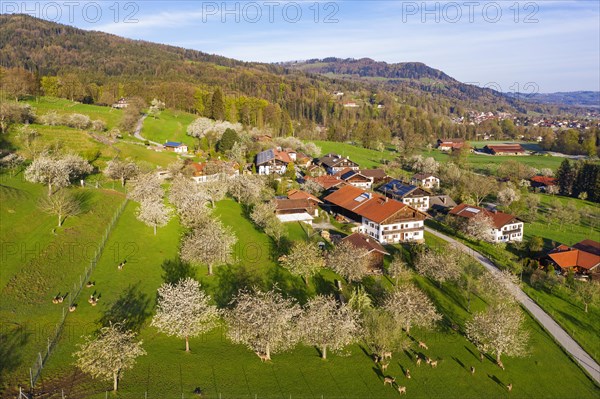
[138, 129]
[551, 326]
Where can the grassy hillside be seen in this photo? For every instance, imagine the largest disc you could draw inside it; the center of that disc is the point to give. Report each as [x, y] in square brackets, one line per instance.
[170, 125]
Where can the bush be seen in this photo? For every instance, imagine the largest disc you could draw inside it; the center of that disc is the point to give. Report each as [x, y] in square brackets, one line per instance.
[78, 121]
[99, 125]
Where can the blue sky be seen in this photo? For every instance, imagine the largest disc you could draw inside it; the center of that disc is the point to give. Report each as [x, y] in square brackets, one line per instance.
[553, 44]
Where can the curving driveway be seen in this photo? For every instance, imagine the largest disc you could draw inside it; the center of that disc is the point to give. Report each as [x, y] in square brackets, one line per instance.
[138, 129]
[551, 326]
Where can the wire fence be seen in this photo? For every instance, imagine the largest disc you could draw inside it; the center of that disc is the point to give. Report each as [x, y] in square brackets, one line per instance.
[36, 370]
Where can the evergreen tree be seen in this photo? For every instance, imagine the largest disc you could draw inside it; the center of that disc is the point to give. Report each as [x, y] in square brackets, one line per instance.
[566, 178]
[218, 105]
[229, 138]
[588, 181]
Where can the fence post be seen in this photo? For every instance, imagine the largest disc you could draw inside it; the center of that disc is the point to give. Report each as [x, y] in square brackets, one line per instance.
[31, 377]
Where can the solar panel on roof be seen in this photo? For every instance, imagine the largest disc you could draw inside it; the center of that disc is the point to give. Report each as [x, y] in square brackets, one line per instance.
[265, 156]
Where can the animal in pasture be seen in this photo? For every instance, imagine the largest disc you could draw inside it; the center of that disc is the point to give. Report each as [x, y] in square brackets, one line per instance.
[433, 364]
[407, 373]
[402, 390]
[423, 345]
[386, 355]
[389, 380]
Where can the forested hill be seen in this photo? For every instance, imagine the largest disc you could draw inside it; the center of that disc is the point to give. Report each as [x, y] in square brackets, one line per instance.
[408, 99]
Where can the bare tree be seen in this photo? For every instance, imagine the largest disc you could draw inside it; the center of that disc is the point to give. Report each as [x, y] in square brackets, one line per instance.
[183, 310]
[62, 204]
[264, 321]
[411, 307]
[479, 227]
[109, 354]
[440, 266]
[305, 259]
[328, 326]
[479, 186]
[121, 170]
[349, 261]
[499, 330]
[587, 292]
[211, 245]
[146, 187]
[154, 213]
[48, 171]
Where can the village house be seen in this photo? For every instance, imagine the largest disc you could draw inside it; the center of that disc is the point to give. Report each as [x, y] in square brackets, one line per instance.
[334, 163]
[379, 176]
[273, 161]
[375, 251]
[544, 184]
[506, 227]
[450, 144]
[441, 203]
[175, 146]
[425, 180]
[384, 219]
[213, 170]
[408, 194]
[583, 258]
[504, 149]
[328, 182]
[295, 210]
[121, 104]
[355, 178]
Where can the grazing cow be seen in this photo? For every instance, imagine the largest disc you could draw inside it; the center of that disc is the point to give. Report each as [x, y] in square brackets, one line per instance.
[402, 390]
[407, 374]
[418, 360]
[386, 355]
[472, 370]
[389, 380]
[72, 308]
[384, 366]
[509, 387]
[422, 345]
[433, 364]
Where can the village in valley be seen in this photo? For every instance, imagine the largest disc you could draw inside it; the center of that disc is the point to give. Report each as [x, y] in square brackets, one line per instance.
[246, 230]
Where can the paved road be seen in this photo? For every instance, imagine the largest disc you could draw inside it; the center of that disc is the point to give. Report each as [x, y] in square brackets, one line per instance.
[138, 129]
[560, 335]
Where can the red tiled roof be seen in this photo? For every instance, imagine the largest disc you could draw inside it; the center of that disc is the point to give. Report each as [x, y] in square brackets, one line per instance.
[505, 148]
[363, 241]
[499, 219]
[283, 156]
[290, 204]
[369, 205]
[298, 194]
[544, 180]
[374, 173]
[584, 254]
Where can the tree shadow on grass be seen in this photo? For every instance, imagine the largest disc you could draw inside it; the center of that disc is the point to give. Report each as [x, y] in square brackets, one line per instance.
[322, 286]
[496, 380]
[12, 340]
[176, 269]
[290, 285]
[84, 199]
[230, 280]
[130, 310]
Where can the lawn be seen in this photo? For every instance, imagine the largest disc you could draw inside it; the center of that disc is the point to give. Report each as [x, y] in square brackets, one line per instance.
[170, 125]
[39, 261]
[364, 157]
[222, 369]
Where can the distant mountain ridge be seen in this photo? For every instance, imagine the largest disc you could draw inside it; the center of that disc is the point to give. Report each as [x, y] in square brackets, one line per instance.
[590, 99]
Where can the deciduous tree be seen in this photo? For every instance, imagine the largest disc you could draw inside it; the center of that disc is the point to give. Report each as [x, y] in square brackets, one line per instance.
[109, 354]
[587, 292]
[440, 266]
[349, 261]
[305, 259]
[327, 325]
[499, 330]
[264, 321]
[211, 245]
[145, 187]
[183, 310]
[121, 170]
[409, 306]
[480, 227]
[48, 171]
[61, 204]
[154, 213]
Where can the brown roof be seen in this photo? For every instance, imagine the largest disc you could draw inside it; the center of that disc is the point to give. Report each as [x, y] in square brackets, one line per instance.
[422, 176]
[363, 241]
[367, 204]
[285, 204]
[499, 219]
[374, 173]
[283, 156]
[327, 181]
[590, 246]
[505, 148]
[298, 194]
